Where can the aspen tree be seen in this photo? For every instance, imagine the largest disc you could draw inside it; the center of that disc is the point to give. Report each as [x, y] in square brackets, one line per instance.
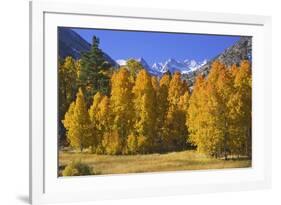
[67, 89]
[209, 113]
[77, 123]
[242, 109]
[96, 134]
[121, 106]
[144, 106]
[176, 118]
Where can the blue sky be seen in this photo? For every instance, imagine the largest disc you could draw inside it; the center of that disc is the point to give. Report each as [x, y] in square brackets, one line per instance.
[158, 47]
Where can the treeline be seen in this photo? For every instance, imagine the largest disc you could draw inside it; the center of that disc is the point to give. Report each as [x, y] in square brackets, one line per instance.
[141, 115]
[127, 111]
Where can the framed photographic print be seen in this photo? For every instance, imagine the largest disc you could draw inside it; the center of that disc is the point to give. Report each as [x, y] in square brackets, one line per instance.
[129, 102]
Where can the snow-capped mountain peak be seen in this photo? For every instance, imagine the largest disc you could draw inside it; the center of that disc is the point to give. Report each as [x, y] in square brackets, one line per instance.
[121, 62]
[157, 66]
[171, 65]
[193, 64]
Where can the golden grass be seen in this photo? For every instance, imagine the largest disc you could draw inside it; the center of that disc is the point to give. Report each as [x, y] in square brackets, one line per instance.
[174, 161]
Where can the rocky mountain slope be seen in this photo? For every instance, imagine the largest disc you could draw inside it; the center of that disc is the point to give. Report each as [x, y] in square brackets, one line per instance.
[72, 44]
[241, 50]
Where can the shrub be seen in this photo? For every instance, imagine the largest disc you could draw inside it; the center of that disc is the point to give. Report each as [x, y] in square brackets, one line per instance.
[76, 168]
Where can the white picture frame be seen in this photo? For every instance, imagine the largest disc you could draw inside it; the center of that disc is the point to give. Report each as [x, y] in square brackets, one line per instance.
[46, 187]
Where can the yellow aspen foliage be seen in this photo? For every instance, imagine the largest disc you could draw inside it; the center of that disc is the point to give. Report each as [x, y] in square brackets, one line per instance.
[165, 80]
[96, 134]
[242, 109]
[132, 144]
[144, 114]
[184, 101]
[112, 143]
[94, 107]
[176, 118]
[121, 105]
[103, 115]
[216, 116]
[233, 70]
[136, 144]
[144, 106]
[67, 80]
[213, 117]
[67, 88]
[68, 122]
[222, 81]
[77, 123]
[162, 99]
[161, 110]
[183, 107]
[134, 67]
[204, 118]
[155, 84]
[177, 88]
[103, 121]
[196, 111]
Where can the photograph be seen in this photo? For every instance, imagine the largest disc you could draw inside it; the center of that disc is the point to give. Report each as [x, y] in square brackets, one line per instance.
[132, 101]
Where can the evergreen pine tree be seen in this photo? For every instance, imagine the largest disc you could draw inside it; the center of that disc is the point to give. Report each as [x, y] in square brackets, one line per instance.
[92, 75]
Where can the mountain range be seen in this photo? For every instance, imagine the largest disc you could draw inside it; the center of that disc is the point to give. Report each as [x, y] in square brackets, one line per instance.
[171, 65]
[72, 44]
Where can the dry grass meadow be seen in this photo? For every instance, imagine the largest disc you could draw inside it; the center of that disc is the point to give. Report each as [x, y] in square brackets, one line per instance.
[174, 161]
